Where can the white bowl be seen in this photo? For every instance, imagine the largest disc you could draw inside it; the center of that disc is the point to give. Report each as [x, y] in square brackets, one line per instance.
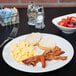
[66, 30]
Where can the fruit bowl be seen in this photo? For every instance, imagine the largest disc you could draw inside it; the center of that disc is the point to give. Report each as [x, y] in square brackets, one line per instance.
[67, 30]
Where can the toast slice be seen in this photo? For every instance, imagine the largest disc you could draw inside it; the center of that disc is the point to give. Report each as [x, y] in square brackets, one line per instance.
[33, 38]
[46, 44]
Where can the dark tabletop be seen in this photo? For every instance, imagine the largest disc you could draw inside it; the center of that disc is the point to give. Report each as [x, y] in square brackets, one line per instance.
[24, 28]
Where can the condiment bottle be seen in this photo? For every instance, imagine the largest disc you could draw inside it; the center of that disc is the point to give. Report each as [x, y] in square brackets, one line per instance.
[39, 24]
[31, 12]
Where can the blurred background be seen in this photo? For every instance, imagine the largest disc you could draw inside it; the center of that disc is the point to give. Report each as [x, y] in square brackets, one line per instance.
[46, 3]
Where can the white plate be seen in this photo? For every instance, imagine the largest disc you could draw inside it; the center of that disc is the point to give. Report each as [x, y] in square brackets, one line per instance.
[50, 65]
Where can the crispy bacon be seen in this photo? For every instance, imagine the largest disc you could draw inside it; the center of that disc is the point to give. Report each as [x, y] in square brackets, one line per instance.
[51, 57]
[47, 51]
[55, 50]
[47, 55]
[31, 59]
[43, 61]
[60, 57]
[58, 53]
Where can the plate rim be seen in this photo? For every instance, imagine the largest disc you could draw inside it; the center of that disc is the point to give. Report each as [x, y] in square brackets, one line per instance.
[38, 71]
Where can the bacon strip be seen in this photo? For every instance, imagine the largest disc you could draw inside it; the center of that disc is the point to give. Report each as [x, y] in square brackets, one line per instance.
[31, 59]
[43, 61]
[47, 55]
[60, 57]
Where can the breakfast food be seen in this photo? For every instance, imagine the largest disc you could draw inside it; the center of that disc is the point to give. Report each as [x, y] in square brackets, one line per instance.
[22, 50]
[50, 55]
[47, 44]
[33, 38]
[26, 52]
[69, 22]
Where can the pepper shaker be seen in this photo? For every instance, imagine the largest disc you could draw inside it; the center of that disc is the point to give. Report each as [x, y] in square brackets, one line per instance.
[31, 13]
[39, 24]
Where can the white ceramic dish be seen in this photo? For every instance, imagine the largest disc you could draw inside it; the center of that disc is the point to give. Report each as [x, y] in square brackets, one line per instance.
[50, 65]
[62, 28]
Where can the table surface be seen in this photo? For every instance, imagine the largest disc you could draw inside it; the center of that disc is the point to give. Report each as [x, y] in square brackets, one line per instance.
[24, 28]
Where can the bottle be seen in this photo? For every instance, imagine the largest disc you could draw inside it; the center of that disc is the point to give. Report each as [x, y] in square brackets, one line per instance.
[31, 13]
[39, 24]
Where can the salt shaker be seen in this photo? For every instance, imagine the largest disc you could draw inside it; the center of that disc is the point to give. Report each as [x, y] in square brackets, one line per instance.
[31, 12]
[39, 24]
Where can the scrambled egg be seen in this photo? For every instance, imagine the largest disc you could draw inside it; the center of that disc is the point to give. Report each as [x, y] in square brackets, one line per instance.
[22, 50]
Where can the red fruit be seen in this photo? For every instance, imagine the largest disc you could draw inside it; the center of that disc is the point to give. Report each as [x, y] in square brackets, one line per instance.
[64, 20]
[61, 23]
[74, 26]
[65, 24]
[70, 26]
[68, 19]
[69, 22]
[73, 19]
